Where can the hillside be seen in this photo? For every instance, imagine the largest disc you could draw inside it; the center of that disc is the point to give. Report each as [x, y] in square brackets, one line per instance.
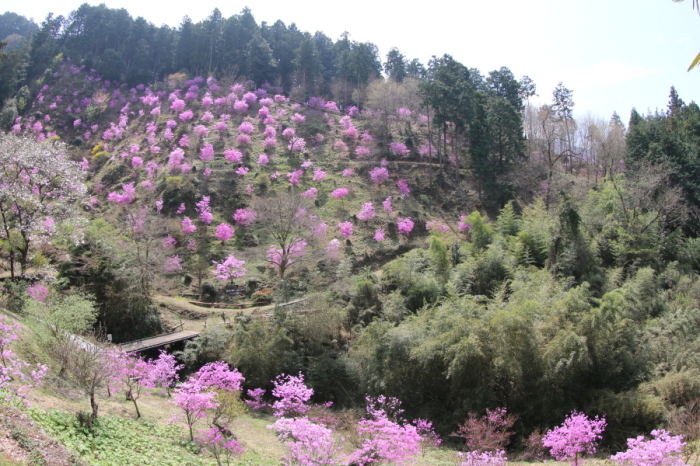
[441, 261]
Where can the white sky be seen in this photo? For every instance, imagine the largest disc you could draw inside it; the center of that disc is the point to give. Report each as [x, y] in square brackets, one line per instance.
[614, 54]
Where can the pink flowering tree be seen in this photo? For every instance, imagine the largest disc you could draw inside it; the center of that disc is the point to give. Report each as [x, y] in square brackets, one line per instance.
[345, 229]
[224, 232]
[367, 212]
[29, 170]
[405, 225]
[578, 434]
[283, 258]
[194, 402]
[164, 372]
[222, 447]
[229, 268]
[385, 438]
[309, 443]
[293, 396]
[286, 221]
[379, 175]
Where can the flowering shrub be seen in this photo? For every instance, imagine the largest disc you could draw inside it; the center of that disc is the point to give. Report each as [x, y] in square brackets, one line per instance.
[663, 449]
[367, 211]
[578, 434]
[379, 175]
[187, 226]
[245, 217]
[293, 395]
[340, 193]
[385, 440]
[345, 229]
[483, 458]
[224, 232]
[229, 269]
[405, 225]
[309, 444]
[220, 446]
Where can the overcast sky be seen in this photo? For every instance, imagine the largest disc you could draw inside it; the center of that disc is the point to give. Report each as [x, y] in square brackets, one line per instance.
[614, 54]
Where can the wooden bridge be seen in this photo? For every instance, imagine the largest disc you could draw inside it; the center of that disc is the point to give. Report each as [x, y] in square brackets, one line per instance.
[155, 342]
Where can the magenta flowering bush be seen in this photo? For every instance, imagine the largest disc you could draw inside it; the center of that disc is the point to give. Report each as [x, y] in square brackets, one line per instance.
[309, 444]
[405, 225]
[224, 232]
[385, 437]
[293, 395]
[229, 269]
[663, 449]
[379, 175]
[345, 229]
[222, 447]
[245, 217]
[367, 211]
[340, 193]
[577, 435]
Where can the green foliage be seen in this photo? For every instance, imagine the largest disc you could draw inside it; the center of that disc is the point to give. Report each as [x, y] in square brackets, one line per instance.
[209, 346]
[480, 231]
[118, 441]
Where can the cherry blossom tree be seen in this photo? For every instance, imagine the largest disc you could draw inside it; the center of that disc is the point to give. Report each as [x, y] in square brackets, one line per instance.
[37, 181]
[577, 435]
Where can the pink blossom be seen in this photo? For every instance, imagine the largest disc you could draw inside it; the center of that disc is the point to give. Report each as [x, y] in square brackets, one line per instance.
[436, 225]
[172, 264]
[207, 152]
[245, 217]
[663, 449]
[184, 141]
[243, 139]
[177, 105]
[288, 133]
[186, 115]
[270, 143]
[242, 171]
[201, 130]
[224, 232]
[207, 117]
[403, 187]
[367, 211]
[229, 269]
[319, 230]
[240, 106]
[181, 208]
[246, 127]
[263, 159]
[340, 193]
[293, 395]
[297, 144]
[578, 434]
[220, 126]
[298, 118]
[463, 225]
[319, 175]
[405, 225]
[379, 234]
[311, 192]
[294, 177]
[233, 155]
[187, 226]
[37, 292]
[345, 229]
[379, 174]
[136, 162]
[386, 204]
